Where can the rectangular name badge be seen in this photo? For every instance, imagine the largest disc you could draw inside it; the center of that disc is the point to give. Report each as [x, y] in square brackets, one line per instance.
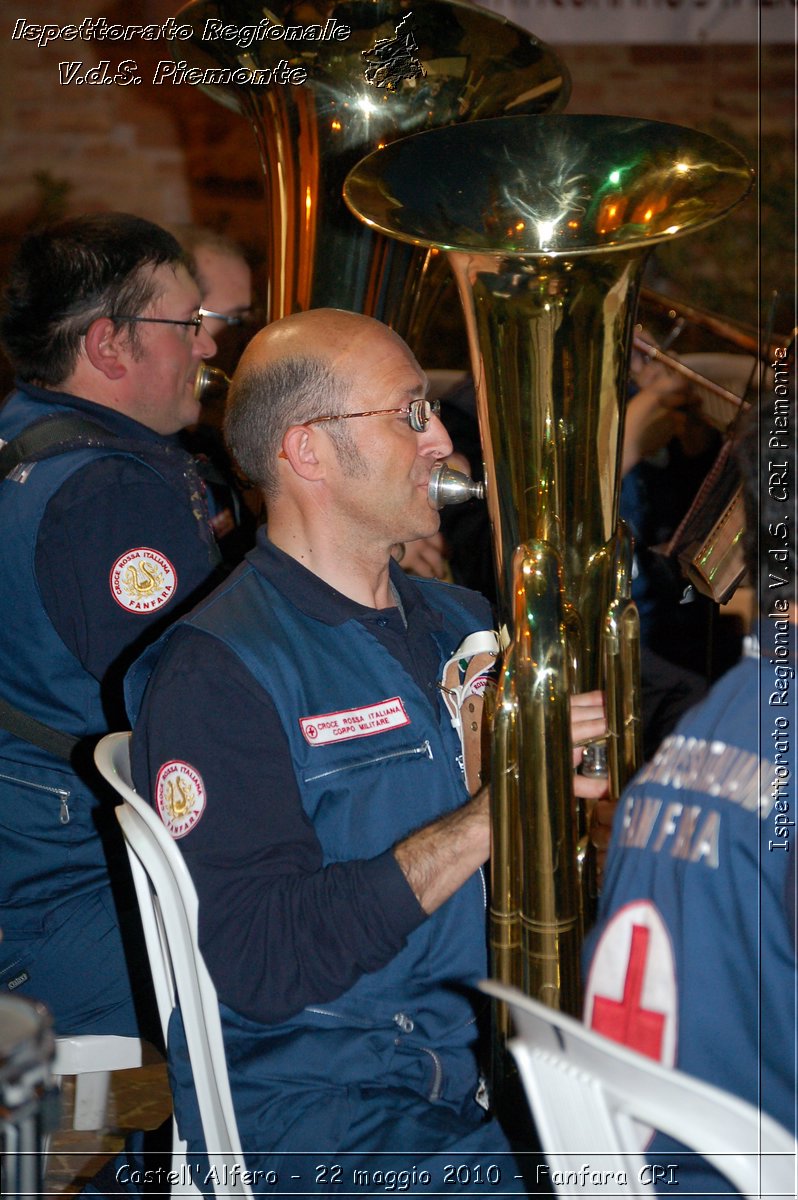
[354, 722]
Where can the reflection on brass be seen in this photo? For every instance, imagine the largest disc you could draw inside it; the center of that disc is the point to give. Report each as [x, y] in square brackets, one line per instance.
[546, 221]
[309, 135]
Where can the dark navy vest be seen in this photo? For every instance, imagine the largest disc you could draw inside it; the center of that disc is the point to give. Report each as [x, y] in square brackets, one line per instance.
[49, 848]
[362, 794]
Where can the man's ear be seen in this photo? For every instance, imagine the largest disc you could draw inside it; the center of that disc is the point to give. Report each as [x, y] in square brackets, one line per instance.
[300, 449]
[107, 348]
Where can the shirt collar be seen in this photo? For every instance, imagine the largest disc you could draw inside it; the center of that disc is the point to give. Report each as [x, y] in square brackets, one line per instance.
[318, 599]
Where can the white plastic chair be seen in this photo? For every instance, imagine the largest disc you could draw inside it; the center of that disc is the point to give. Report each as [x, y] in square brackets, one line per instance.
[91, 1058]
[168, 904]
[589, 1095]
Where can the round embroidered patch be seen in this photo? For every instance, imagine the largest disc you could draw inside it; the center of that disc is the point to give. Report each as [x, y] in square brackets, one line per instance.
[179, 797]
[142, 580]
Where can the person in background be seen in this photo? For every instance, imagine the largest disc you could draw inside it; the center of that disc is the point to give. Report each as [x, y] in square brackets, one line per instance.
[693, 958]
[224, 276]
[106, 539]
[668, 452]
[225, 280]
[297, 739]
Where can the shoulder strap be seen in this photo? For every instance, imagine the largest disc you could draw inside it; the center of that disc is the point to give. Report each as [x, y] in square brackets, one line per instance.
[469, 673]
[46, 438]
[51, 436]
[58, 435]
[28, 729]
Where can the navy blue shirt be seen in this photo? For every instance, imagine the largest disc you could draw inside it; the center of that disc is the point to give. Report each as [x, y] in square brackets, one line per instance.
[282, 930]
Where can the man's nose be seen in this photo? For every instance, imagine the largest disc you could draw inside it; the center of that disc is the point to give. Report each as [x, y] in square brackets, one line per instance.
[206, 346]
[435, 441]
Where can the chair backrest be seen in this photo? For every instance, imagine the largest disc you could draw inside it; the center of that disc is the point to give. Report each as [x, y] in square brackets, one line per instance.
[168, 905]
[589, 1095]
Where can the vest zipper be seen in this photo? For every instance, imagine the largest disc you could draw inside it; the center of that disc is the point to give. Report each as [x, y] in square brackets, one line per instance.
[326, 1012]
[403, 1022]
[62, 793]
[425, 748]
[437, 1078]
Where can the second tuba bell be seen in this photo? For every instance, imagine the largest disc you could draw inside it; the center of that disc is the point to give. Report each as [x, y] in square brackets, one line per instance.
[466, 64]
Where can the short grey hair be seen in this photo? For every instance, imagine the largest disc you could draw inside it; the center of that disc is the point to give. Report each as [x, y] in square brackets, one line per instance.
[265, 401]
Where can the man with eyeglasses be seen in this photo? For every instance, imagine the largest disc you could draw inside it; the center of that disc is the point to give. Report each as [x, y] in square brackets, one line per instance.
[105, 540]
[225, 281]
[224, 277]
[299, 739]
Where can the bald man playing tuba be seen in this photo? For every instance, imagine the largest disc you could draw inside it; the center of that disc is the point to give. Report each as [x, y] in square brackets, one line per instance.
[317, 711]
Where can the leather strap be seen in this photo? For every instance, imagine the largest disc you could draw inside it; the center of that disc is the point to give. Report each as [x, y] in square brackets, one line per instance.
[466, 677]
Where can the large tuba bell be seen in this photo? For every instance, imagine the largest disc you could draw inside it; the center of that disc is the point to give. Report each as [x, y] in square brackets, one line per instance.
[462, 63]
[546, 222]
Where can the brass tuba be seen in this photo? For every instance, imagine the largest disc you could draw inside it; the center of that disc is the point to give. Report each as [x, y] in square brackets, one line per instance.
[475, 64]
[546, 222]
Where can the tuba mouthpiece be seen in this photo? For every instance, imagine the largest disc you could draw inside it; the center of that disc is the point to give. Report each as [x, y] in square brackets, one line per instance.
[210, 381]
[447, 486]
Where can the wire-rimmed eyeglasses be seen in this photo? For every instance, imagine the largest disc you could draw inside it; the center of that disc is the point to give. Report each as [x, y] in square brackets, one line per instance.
[196, 322]
[244, 316]
[419, 413]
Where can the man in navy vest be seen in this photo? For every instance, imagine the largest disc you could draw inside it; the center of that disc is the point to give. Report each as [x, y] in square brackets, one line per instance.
[295, 738]
[693, 960]
[105, 539]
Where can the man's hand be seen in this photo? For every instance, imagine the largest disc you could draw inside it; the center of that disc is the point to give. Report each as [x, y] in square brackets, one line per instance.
[588, 722]
[655, 415]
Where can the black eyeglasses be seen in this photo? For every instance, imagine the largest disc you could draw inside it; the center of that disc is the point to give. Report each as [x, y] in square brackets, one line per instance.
[195, 321]
[242, 317]
[419, 413]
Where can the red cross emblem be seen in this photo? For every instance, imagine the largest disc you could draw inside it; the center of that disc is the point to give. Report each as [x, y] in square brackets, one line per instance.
[626, 1021]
